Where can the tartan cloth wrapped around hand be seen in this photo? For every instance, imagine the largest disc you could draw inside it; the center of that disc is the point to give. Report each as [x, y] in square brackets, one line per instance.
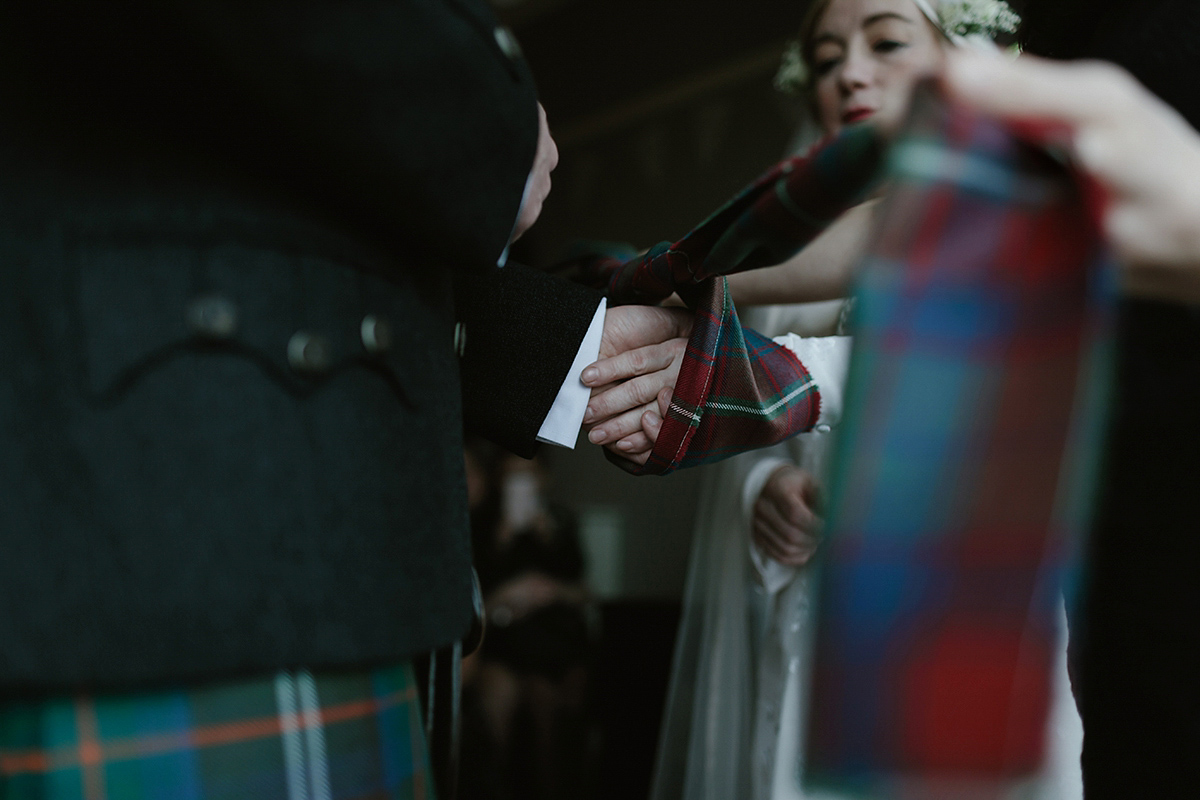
[969, 434]
[738, 390]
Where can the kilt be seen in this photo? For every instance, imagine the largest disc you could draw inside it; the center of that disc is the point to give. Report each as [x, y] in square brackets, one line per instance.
[291, 736]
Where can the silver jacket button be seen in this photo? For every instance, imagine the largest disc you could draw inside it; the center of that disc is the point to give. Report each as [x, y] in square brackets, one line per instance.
[213, 317]
[507, 43]
[460, 338]
[308, 352]
[376, 335]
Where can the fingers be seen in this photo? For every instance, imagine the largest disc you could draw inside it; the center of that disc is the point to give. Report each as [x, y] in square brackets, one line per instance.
[616, 428]
[796, 510]
[634, 444]
[640, 443]
[792, 492]
[637, 446]
[632, 363]
[777, 546]
[785, 526]
[639, 391]
[652, 425]
[633, 434]
[788, 532]
[664, 401]
[636, 458]
[1032, 88]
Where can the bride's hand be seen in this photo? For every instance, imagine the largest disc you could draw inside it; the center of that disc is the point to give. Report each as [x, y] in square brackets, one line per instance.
[785, 525]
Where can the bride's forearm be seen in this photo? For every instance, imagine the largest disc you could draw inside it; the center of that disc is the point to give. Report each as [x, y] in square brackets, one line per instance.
[821, 271]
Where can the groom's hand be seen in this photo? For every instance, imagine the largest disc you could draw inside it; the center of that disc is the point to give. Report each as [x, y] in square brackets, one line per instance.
[631, 327]
[625, 411]
[641, 353]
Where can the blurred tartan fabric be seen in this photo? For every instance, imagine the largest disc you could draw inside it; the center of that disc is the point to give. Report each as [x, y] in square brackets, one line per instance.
[977, 390]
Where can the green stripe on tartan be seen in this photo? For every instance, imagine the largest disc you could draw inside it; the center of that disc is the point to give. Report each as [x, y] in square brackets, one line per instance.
[731, 406]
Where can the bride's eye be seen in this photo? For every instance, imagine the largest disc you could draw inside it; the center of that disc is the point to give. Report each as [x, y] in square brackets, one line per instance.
[822, 68]
[889, 45]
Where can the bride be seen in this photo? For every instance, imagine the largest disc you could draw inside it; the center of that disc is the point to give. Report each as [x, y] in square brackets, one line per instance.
[735, 708]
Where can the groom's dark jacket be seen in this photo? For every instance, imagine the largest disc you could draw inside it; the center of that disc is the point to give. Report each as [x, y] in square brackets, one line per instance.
[230, 415]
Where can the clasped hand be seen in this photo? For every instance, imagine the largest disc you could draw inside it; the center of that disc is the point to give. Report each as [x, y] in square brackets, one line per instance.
[640, 355]
[785, 525]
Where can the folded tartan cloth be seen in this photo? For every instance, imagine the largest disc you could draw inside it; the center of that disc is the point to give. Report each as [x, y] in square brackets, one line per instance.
[967, 443]
[737, 389]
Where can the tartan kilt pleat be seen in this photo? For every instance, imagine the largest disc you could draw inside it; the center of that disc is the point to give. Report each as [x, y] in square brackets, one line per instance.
[291, 736]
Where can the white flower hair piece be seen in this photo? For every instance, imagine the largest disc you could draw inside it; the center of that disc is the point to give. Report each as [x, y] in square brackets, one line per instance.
[971, 20]
[792, 76]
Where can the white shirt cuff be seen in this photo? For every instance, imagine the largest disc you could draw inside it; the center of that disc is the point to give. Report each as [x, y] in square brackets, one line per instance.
[565, 418]
[827, 359]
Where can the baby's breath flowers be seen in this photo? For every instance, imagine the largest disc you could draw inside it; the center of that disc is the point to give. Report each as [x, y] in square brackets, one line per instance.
[978, 18]
[792, 76]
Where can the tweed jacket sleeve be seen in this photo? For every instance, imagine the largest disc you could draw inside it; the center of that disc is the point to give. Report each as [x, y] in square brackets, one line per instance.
[518, 333]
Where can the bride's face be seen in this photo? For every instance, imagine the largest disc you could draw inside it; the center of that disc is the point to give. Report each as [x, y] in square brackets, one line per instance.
[866, 57]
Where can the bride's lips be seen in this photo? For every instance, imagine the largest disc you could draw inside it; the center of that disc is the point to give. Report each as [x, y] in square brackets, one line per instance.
[857, 114]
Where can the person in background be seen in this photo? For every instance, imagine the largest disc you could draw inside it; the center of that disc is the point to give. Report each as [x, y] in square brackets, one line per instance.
[528, 684]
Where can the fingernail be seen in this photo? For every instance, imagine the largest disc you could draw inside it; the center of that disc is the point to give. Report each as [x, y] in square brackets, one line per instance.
[624, 445]
[589, 415]
[597, 436]
[589, 375]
